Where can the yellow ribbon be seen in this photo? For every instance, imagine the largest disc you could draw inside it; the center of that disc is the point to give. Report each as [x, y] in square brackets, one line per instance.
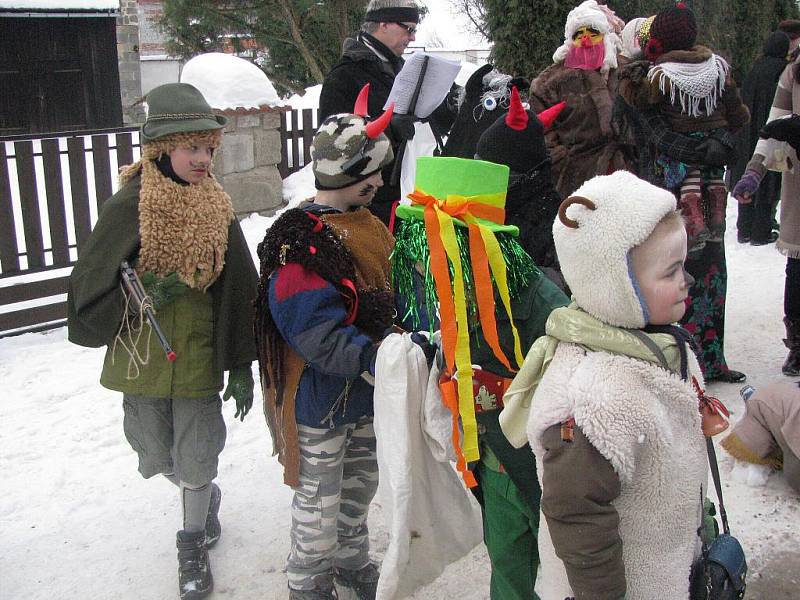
[487, 262]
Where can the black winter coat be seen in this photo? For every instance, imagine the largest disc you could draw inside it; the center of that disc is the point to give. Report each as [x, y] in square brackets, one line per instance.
[359, 66]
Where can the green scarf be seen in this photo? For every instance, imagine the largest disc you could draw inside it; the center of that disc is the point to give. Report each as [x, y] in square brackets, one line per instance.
[572, 325]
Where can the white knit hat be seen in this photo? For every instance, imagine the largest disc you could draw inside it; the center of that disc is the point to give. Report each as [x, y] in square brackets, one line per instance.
[593, 248]
[589, 14]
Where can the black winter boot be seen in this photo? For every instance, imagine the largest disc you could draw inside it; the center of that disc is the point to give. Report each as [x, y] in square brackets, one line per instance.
[194, 570]
[213, 527]
[792, 365]
[363, 584]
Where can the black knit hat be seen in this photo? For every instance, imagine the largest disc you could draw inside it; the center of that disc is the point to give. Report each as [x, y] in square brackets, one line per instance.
[515, 140]
[673, 28]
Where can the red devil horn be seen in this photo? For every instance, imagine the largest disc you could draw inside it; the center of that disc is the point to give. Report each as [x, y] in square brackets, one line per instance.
[549, 115]
[516, 118]
[360, 107]
[376, 127]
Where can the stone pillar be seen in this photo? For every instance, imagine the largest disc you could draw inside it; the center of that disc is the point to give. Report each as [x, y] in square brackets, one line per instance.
[130, 76]
[246, 164]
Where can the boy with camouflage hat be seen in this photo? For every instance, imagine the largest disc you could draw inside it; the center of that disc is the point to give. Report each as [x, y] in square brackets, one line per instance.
[173, 222]
[324, 303]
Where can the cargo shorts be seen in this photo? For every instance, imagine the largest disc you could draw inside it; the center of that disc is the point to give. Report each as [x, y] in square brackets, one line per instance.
[183, 436]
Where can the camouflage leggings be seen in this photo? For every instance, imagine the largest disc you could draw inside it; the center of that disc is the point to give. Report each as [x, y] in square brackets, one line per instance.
[338, 479]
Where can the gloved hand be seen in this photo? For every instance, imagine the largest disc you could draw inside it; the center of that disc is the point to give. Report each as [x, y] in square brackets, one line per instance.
[784, 130]
[162, 291]
[240, 386]
[425, 345]
[716, 153]
[746, 186]
[403, 127]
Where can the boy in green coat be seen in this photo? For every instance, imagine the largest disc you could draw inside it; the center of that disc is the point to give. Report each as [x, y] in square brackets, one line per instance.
[456, 225]
[173, 222]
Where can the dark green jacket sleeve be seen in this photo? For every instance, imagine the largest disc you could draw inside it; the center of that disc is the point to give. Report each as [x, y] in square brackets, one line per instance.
[530, 309]
[233, 294]
[578, 487]
[95, 302]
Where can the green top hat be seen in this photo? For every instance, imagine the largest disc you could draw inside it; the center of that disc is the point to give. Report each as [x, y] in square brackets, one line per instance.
[445, 177]
[178, 108]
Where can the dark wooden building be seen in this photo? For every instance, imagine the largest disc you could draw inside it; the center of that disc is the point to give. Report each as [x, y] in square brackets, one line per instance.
[58, 67]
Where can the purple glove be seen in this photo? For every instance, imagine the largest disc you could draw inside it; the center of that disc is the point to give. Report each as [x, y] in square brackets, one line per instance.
[746, 186]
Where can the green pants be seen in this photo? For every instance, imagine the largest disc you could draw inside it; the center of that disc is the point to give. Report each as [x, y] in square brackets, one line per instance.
[510, 527]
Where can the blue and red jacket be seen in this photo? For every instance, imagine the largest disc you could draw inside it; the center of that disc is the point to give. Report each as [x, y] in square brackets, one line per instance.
[310, 315]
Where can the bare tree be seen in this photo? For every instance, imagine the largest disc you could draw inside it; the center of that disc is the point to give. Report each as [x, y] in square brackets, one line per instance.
[476, 13]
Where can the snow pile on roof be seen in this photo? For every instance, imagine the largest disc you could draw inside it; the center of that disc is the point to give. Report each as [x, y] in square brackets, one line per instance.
[230, 82]
[308, 100]
[60, 4]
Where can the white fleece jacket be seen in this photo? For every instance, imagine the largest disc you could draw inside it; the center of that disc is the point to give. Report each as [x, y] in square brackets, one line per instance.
[645, 421]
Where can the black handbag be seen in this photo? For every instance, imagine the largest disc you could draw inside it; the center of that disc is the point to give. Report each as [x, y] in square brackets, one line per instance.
[720, 572]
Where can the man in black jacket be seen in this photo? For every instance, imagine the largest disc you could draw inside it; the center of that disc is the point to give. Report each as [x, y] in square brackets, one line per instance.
[374, 56]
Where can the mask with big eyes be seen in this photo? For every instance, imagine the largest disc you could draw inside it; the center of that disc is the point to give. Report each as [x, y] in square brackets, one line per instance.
[489, 103]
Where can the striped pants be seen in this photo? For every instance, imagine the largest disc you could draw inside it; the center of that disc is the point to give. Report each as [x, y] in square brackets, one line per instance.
[338, 479]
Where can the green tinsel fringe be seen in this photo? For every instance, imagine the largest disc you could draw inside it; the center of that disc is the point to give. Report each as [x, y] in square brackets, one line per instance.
[411, 249]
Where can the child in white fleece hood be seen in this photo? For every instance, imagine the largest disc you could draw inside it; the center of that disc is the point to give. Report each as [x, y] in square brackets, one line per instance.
[611, 396]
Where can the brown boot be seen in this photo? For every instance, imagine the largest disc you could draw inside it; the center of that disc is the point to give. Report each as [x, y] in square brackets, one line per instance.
[717, 202]
[694, 219]
[792, 365]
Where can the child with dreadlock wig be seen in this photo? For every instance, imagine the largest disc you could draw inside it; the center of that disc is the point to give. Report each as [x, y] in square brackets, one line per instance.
[173, 222]
[693, 88]
[493, 304]
[324, 304]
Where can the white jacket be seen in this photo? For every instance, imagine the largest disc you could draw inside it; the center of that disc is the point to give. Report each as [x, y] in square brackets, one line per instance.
[645, 421]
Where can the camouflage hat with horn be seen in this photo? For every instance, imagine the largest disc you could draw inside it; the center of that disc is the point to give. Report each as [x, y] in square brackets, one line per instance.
[348, 148]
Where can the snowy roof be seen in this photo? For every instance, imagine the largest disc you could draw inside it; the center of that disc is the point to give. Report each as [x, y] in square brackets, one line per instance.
[229, 82]
[60, 5]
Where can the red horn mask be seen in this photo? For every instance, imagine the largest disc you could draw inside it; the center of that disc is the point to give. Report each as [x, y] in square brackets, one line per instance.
[360, 107]
[517, 118]
[377, 127]
[549, 115]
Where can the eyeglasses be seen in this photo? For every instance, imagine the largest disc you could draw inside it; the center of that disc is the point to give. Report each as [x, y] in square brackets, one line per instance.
[410, 29]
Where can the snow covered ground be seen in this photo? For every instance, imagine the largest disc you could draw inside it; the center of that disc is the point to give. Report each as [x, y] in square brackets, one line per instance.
[77, 520]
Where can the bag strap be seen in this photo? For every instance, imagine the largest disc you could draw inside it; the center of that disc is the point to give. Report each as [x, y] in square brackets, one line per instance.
[712, 454]
[712, 462]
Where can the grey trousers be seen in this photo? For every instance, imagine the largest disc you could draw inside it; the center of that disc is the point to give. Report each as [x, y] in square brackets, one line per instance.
[338, 479]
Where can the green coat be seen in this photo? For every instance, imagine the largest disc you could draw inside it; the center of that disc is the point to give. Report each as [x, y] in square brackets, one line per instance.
[211, 332]
[531, 310]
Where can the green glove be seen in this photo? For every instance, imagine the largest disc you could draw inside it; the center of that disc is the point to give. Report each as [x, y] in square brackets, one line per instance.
[164, 290]
[240, 386]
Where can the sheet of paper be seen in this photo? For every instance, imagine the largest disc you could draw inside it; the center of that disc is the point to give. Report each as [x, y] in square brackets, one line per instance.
[440, 74]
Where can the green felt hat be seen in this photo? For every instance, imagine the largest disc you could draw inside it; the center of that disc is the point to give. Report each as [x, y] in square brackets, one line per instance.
[447, 176]
[178, 108]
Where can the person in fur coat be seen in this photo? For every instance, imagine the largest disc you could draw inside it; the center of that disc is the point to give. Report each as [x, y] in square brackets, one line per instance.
[691, 86]
[583, 141]
[609, 402]
[173, 222]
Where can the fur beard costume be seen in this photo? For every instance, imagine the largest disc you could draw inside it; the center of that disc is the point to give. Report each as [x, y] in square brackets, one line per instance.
[183, 228]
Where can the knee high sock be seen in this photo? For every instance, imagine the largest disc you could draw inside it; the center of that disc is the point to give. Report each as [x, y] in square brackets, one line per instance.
[195, 500]
[692, 184]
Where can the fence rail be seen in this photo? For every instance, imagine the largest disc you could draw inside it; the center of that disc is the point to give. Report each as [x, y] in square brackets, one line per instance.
[51, 189]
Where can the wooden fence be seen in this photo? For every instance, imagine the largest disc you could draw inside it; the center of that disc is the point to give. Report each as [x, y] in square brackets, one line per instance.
[51, 188]
[297, 131]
